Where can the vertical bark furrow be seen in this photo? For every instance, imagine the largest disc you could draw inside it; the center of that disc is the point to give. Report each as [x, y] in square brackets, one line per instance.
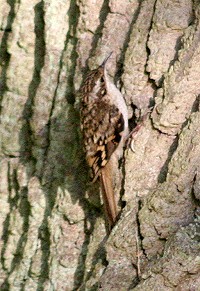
[180, 88]
[135, 80]
[168, 26]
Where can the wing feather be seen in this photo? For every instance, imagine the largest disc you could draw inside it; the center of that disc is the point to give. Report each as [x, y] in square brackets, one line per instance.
[101, 134]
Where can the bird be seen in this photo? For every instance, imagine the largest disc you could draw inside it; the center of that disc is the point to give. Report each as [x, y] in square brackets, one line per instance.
[104, 126]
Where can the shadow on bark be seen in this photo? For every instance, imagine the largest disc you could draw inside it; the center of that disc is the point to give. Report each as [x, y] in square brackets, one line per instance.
[65, 168]
[26, 157]
[4, 55]
[73, 14]
[19, 201]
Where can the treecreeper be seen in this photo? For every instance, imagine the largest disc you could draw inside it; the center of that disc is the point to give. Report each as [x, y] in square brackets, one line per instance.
[104, 125]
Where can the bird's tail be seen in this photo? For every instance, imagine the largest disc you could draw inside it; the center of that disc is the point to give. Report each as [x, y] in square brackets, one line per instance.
[106, 179]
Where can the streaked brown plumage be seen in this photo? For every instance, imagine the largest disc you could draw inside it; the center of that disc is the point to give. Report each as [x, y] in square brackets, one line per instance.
[104, 126]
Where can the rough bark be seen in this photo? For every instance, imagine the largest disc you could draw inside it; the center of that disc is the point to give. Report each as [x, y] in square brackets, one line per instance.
[53, 234]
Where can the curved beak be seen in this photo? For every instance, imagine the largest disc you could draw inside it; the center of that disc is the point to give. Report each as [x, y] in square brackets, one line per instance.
[105, 61]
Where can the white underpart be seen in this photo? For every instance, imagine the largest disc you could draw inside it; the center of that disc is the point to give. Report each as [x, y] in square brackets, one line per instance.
[117, 99]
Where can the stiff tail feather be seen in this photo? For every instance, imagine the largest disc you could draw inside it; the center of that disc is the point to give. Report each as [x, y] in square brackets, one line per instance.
[108, 194]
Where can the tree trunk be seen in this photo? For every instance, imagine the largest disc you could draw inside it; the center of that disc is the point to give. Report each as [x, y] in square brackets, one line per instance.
[53, 234]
